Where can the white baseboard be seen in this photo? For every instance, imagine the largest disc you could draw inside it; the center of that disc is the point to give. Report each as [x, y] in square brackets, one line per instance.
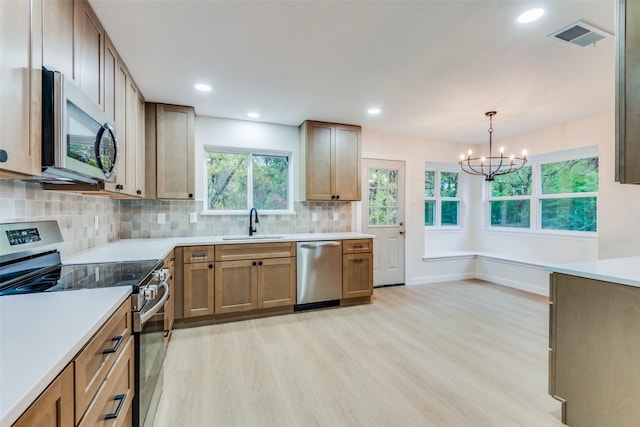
[513, 284]
[442, 278]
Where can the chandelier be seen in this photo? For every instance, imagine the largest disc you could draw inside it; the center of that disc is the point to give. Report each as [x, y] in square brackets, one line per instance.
[491, 166]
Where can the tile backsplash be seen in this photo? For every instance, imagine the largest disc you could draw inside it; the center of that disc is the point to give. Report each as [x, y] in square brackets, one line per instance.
[124, 219]
[76, 214]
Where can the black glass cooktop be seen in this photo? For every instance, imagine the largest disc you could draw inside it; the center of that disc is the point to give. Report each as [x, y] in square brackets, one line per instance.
[82, 276]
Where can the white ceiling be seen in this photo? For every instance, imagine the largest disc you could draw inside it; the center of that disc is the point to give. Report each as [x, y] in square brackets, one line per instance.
[434, 67]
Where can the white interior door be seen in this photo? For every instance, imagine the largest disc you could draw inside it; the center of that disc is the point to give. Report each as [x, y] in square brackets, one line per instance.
[383, 215]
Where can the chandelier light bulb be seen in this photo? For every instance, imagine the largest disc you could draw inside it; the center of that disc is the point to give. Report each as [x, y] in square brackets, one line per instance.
[524, 153]
[469, 152]
[501, 150]
[482, 159]
[461, 156]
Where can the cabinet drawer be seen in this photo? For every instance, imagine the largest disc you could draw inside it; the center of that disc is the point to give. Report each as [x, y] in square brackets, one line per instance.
[115, 396]
[96, 359]
[193, 254]
[255, 251]
[357, 246]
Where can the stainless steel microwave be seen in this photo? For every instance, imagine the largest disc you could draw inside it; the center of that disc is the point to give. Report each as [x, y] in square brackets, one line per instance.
[78, 140]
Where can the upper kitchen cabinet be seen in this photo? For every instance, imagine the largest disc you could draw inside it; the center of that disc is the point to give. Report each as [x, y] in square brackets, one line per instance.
[331, 167]
[170, 144]
[115, 94]
[57, 40]
[88, 37]
[628, 92]
[20, 87]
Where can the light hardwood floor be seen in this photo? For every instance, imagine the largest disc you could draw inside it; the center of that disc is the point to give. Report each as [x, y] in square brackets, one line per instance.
[465, 353]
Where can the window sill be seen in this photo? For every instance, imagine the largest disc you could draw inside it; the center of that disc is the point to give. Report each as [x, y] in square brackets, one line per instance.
[554, 234]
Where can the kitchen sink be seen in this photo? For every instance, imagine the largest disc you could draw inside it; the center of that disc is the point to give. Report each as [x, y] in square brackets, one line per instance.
[263, 237]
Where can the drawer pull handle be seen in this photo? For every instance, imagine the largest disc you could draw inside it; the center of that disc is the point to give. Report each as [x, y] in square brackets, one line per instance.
[200, 255]
[357, 247]
[121, 398]
[115, 347]
[358, 260]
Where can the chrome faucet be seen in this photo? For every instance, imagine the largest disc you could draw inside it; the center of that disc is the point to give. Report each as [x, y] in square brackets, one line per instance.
[252, 229]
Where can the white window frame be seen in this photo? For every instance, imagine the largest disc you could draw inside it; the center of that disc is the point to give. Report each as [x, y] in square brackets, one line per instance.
[535, 204]
[438, 168]
[249, 152]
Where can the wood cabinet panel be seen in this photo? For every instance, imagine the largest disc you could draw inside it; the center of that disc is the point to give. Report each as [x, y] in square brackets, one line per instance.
[115, 393]
[628, 92]
[88, 40]
[276, 282]
[54, 407]
[357, 246]
[96, 359]
[357, 275]
[57, 40]
[236, 286]
[347, 162]
[255, 251]
[596, 351]
[203, 253]
[198, 289]
[174, 147]
[20, 88]
[331, 165]
[169, 306]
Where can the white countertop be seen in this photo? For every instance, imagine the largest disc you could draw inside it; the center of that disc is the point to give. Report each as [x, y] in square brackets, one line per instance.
[625, 271]
[142, 249]
[40, 334]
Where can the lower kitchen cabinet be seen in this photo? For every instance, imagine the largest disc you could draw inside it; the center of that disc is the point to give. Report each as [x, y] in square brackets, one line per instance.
[253, 284]
[357, 268]
[194, 281]
[254, 276]
[594, 352]
[54, 407]
[198, 289]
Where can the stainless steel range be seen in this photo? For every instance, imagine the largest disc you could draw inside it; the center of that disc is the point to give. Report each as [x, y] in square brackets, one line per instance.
[30, 263]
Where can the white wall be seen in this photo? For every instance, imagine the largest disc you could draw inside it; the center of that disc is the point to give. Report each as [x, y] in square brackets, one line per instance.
[245, 134]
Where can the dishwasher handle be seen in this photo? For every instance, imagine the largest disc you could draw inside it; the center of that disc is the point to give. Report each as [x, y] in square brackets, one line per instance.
[315, 245]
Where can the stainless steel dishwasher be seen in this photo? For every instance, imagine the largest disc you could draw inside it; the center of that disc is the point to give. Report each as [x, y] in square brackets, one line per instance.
[319, 271]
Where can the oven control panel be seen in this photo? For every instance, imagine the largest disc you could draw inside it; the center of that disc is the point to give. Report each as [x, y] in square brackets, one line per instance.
[26, 236]
[22, 236]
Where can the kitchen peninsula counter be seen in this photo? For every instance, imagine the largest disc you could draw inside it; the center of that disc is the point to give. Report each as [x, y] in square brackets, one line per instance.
[158, 248]
[594, 352]
[40, 334]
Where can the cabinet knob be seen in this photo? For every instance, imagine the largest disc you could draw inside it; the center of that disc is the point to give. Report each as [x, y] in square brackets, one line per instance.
[190, 195]
[119, 187]
[210, 265]
[3, 156]
[337, 197]
[259, 262]
[254, 263]
[333, 197]
[138, 191]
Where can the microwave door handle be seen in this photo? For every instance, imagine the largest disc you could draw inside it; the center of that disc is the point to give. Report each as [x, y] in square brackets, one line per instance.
[105, 128]
[148, 314]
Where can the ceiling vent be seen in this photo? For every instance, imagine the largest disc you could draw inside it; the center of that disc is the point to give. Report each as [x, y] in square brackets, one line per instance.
[580, 33]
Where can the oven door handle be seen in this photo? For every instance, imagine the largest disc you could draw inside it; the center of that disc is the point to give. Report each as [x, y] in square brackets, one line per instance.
[148, 314]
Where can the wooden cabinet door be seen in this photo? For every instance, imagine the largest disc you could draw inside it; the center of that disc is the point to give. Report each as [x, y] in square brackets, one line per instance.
[175, 144]
[20, 87]
[198, 289]
[236, 286]
[57, 40]
[276, 282]
[319, 160]
[357, 275]
[140, 148]
[346, 163]
[88, 38]
[54, 407]
[114, 106]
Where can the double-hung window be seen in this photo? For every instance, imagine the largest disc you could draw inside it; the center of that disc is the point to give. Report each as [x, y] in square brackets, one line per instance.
[238, 180]
[551, 195]
[441, 198]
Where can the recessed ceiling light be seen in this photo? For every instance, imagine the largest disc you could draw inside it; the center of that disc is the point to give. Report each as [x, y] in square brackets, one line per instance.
[203, 87]
[253, 115]
[530, 15]
[374, 111]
